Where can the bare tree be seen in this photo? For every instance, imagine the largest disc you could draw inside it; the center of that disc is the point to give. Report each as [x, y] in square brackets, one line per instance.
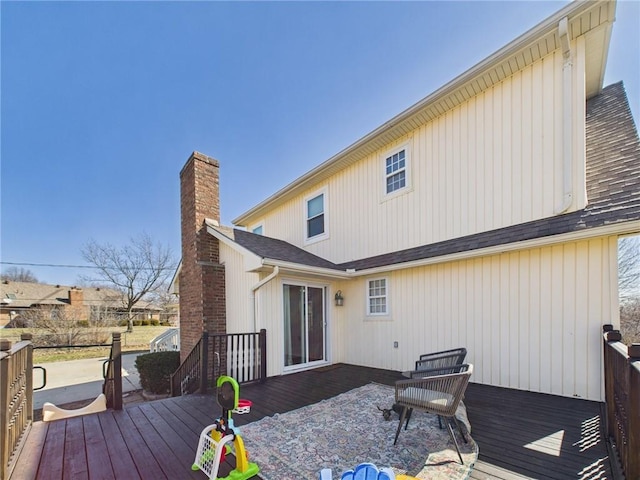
[135, 270]
[15, 274]
[629, 288]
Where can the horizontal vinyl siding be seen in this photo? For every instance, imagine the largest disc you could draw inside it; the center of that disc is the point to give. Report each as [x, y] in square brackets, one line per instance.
[493, 161]
[530, 320]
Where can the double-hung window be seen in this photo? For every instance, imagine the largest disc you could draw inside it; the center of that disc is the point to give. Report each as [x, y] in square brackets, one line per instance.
[315, 216]
[377, 297]
[396, 171]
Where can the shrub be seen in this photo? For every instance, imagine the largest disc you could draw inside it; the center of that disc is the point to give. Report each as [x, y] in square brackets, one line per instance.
[155, 370]
[83, 323]
[145, 323]
[122, 323]
[155, 322]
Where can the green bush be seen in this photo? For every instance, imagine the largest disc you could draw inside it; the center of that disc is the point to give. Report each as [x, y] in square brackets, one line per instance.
[82, 323]
[122, 323]
[145, 323]
[155, 322]
[155, 370]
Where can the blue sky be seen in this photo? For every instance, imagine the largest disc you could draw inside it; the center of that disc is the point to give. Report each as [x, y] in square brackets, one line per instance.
[103, 102]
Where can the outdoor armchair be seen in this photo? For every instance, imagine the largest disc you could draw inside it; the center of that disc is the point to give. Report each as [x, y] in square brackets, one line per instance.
[444, 358]
[439, 393]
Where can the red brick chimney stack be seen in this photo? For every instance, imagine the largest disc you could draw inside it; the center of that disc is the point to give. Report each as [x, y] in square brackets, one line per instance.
[202, 280]
[76, 297]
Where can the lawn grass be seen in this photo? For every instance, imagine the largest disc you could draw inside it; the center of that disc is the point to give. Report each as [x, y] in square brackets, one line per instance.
[133, 341]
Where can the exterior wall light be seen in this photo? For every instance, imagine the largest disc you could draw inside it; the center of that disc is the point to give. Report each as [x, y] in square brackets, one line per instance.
[339, 298]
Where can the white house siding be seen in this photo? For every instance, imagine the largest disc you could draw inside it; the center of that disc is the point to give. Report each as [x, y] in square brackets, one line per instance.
[494, 161]
[530, 319]
[238, 285]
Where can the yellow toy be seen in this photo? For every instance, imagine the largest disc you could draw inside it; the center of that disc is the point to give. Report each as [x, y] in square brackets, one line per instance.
[215, 440]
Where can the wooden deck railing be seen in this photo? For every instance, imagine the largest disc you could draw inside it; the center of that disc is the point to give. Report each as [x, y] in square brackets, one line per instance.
[16, 399]
[242, 356]
[112, 387]
[191, 375]
[622, 397]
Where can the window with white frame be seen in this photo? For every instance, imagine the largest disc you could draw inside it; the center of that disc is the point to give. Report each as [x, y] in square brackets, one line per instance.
[315, 216]
[377, 297]
[396, 171]
[258, 230]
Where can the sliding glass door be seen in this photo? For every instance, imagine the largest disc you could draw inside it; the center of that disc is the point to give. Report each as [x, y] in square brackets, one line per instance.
[304, 325]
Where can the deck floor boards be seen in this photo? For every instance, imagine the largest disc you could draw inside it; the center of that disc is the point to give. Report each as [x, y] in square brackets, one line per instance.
[521, 435]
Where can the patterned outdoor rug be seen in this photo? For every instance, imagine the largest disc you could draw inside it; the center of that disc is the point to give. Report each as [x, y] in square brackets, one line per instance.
[344, 431]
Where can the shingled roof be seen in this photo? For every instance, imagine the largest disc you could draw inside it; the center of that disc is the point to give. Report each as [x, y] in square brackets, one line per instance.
[613, 190]
[267, 247]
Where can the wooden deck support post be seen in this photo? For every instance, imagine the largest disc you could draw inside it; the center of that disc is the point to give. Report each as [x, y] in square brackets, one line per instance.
[204, 362]
[263, 355]
[633, 407]
[116, 349]
[609, 336]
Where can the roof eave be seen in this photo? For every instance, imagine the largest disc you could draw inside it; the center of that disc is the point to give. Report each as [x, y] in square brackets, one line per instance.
[626, 228]
[446, 97]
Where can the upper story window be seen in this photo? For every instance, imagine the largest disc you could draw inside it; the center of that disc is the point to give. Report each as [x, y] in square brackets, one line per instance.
[315, 216]
[396, 171]
[377, 297]
[258, 230]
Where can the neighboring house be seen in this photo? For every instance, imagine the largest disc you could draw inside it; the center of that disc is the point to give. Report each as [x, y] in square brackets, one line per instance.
[87, 303]
[486, 216]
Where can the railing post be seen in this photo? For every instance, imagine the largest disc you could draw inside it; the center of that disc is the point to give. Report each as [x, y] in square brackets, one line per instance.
[204, 362]
[5, 358]
[116, 350]
[633, 407]
[263, 355]
[27, 337]
[610, 335]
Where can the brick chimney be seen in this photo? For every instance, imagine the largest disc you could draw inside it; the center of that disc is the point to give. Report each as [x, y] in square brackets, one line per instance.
[76, 297]
[77, 309]
[202, 279]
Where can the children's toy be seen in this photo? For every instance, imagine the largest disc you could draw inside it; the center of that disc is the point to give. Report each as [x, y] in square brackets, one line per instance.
[216, 439]
[365, 471]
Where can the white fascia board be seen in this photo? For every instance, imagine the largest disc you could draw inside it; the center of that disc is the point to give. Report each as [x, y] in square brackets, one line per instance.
[251, 260]
[299, 268]
[627, 228]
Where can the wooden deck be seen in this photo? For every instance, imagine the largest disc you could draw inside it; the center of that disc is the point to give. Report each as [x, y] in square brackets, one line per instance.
[520, 434]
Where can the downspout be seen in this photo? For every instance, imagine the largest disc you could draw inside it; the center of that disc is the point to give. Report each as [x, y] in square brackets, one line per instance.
[567, 117]
[254, 305]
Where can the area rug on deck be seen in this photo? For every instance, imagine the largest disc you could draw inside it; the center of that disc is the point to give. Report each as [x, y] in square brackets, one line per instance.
[344, 431]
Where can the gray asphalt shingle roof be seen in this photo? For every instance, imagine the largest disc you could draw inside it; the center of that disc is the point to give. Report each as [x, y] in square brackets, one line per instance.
[613, 190]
